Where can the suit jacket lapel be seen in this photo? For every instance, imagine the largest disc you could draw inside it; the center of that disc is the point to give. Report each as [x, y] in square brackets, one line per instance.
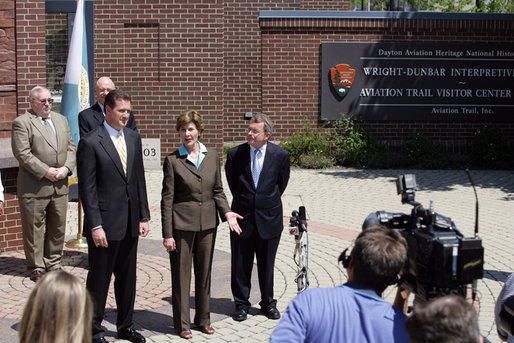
[189, 165]
[98, 114]
[247, 162]
[59, 130]
[106, 142]
[205, 161]
[40, 127]
[267, 163]
[130, 141]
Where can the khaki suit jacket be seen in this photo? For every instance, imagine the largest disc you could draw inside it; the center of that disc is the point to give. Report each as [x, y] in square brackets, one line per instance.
[192, 199]
[33, 148]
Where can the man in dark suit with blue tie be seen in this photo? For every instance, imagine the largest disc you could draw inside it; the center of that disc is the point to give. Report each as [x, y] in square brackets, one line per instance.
[113, 191]
[94, 116]
[257, 174]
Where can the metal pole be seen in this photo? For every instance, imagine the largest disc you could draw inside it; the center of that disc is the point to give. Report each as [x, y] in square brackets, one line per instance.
[80, 242]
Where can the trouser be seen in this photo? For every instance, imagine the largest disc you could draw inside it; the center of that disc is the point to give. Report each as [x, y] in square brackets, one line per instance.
[43, 222]
[196, 247]
[243, 251]
[119, 258]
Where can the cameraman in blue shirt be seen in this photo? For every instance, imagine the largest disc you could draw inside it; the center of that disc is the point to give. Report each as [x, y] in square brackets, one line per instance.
[355, 311]
[506, 292]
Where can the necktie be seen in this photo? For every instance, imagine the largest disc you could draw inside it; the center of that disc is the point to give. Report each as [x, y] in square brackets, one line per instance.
[51, 132]
[122, 151]
[257, 167]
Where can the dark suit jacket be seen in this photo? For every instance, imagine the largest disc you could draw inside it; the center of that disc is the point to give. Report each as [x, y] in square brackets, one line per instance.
[33, 148]
[261, 207]
[93, 117]
[108, 196]
[192, 199]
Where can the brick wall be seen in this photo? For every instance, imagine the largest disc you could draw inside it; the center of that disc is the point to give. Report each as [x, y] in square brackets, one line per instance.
[7, 67]
[10, 226]
[25, 62]
[169, 55]
[242, 53]
[10, 221]
[30, 49]
[290, 69]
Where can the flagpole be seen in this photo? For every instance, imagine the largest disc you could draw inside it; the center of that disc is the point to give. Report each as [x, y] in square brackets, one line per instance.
[75, 97]
[80, 242]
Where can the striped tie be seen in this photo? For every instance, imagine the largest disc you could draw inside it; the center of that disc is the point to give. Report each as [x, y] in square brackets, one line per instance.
[122, 151]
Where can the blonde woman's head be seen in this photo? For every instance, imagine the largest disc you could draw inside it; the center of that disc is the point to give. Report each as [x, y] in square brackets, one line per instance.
[59, 310]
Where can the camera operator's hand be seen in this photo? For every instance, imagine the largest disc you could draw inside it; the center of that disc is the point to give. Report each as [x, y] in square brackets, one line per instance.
[473, 300]
[401, 301]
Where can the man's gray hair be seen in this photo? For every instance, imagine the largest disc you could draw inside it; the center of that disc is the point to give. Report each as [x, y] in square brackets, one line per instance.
[37, 90]
[262, 118]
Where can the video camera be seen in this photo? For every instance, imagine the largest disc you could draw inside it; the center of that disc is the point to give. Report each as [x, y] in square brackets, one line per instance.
[440, 259]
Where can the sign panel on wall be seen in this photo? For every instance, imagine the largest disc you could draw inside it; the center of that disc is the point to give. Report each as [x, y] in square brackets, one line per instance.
[430, 81]
[151, 152]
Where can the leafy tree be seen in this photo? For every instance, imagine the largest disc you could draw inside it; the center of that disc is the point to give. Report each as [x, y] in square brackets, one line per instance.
[492, 6]
[495, 6]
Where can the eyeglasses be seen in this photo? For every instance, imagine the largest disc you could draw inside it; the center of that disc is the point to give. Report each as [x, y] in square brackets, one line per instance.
[254, 132]
[50, 101]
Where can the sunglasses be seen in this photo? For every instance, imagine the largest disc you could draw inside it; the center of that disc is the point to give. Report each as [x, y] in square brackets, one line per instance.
[50, 101]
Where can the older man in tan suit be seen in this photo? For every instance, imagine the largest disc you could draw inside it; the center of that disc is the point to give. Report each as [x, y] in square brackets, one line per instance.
[42, 144]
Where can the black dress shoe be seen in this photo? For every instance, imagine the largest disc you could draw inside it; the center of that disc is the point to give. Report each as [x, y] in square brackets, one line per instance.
[99, 340]
[271, 312]
[240, 314]
[131, 335]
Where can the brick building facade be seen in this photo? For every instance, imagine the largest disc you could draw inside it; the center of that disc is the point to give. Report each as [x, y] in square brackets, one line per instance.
[290, 41]
[224, 58]
[10, 222]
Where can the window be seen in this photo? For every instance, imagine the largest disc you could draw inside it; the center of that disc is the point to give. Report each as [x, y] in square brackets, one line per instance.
[59, 23]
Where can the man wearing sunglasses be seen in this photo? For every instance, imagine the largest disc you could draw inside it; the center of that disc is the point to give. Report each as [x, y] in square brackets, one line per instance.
[42, 144]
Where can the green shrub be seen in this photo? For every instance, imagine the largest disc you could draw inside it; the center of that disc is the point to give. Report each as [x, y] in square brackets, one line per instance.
[490, 149]
[345, 143]
[420, 149]
[315, 162]
[388, 160]
[226, 148]
[353, 146]
[309, 141]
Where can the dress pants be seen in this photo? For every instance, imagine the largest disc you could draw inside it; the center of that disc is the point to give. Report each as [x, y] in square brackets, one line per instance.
[243, 252]
[196, 247]
[119, 258]
[43, 222]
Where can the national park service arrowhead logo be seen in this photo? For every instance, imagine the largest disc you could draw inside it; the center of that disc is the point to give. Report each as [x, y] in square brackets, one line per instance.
[342, 77]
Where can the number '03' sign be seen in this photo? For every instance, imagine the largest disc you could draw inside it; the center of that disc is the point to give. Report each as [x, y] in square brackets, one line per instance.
[151, 152]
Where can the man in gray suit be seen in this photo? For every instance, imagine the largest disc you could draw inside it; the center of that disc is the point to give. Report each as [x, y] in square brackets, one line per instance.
[42, 144]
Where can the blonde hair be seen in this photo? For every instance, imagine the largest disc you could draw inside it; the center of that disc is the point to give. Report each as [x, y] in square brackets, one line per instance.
[59, 310]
